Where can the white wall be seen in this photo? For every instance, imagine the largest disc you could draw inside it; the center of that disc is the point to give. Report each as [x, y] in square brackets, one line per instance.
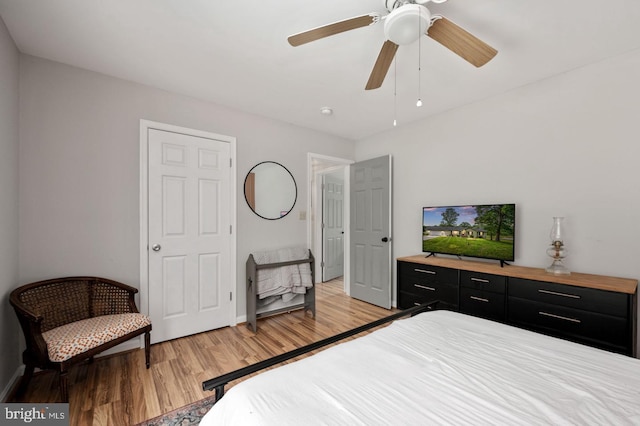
[79, 170]
[9, 72]
[565, 146]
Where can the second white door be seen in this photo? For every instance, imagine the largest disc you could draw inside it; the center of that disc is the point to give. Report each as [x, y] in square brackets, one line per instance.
[189, 234]
[332, 226]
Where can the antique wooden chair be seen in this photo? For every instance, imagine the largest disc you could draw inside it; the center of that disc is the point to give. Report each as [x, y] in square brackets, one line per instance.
[68, 320]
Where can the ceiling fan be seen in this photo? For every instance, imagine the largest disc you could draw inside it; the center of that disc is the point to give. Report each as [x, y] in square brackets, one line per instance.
[406, 21]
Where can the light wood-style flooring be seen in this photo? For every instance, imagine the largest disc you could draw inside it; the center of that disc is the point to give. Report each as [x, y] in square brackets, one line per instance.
[119, 390]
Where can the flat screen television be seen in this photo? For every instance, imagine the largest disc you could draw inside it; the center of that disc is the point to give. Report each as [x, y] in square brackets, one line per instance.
[482, 231]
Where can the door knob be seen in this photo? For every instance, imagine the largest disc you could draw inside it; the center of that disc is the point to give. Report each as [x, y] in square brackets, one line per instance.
[385, 239]
[156, 247]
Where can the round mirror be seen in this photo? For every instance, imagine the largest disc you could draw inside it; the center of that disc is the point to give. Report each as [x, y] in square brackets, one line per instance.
[270, 190]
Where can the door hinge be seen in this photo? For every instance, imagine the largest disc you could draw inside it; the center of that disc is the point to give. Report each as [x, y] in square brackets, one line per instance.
[230, 162]
[230, 296]
[231, 229]
[322, 264]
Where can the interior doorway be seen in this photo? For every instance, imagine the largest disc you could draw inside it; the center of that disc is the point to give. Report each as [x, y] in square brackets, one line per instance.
[333, 224]
[318, 166]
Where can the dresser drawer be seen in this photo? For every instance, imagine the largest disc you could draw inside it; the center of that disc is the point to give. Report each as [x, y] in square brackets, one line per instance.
[586, 299]
[428, 274]
[409, 300]
[430, 290]
[482, 281]
[605, 331]
[483, 304]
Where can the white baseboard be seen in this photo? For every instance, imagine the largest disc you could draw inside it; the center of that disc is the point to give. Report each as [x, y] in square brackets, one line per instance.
[16, 376]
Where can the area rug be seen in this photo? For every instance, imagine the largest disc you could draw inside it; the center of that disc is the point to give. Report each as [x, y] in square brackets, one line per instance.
[188, 415]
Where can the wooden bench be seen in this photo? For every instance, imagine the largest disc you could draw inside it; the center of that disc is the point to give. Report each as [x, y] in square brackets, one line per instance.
[68, 320]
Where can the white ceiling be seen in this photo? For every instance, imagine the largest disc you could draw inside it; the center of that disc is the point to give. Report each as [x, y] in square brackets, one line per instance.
[235, 53]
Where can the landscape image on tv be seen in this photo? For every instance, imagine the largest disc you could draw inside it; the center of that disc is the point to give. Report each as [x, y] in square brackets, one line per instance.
[485, 231]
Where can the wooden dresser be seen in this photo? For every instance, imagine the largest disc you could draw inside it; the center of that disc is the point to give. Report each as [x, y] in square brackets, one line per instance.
[595, 310]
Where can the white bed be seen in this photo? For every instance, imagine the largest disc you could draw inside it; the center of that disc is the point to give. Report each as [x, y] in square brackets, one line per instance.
[442, 367]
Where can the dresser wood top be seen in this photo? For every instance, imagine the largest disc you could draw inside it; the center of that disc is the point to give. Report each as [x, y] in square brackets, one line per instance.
[600, 282]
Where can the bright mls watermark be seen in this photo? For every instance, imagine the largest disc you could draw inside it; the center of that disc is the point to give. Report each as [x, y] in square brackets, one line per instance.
[34, 414]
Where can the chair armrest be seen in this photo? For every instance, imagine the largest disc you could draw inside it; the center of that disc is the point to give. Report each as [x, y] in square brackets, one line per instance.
[23, 310]
[125, 287]
[113, 297]
[31, 328]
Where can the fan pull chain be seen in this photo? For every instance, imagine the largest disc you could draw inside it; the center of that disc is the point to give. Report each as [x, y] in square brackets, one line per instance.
[419, 102]
[395, 92]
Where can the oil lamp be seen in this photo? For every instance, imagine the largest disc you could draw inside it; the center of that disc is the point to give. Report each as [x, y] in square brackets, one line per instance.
[557, 251]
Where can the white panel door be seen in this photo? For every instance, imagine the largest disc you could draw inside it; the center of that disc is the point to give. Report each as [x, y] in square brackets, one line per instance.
[189, 234]
[370, 235]
[332, 226]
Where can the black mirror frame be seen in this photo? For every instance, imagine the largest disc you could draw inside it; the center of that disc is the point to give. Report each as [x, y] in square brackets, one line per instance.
[295, 186]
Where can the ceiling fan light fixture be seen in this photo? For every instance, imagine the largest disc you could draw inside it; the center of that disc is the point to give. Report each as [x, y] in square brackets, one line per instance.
[400, 25]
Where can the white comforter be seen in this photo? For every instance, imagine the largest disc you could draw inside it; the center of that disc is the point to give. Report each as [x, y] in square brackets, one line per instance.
[442, 368]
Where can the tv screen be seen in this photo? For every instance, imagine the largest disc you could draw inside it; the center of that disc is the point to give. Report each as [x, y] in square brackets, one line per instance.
[484, 231]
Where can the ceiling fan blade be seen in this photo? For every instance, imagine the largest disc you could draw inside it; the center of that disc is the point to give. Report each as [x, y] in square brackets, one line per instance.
[333, 29]
[382, 65]
[461, 42]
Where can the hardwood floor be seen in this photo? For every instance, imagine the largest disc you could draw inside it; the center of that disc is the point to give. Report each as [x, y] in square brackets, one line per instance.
[119, 390]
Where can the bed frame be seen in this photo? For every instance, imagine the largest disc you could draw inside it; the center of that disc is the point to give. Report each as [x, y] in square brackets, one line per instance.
[218, 383]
